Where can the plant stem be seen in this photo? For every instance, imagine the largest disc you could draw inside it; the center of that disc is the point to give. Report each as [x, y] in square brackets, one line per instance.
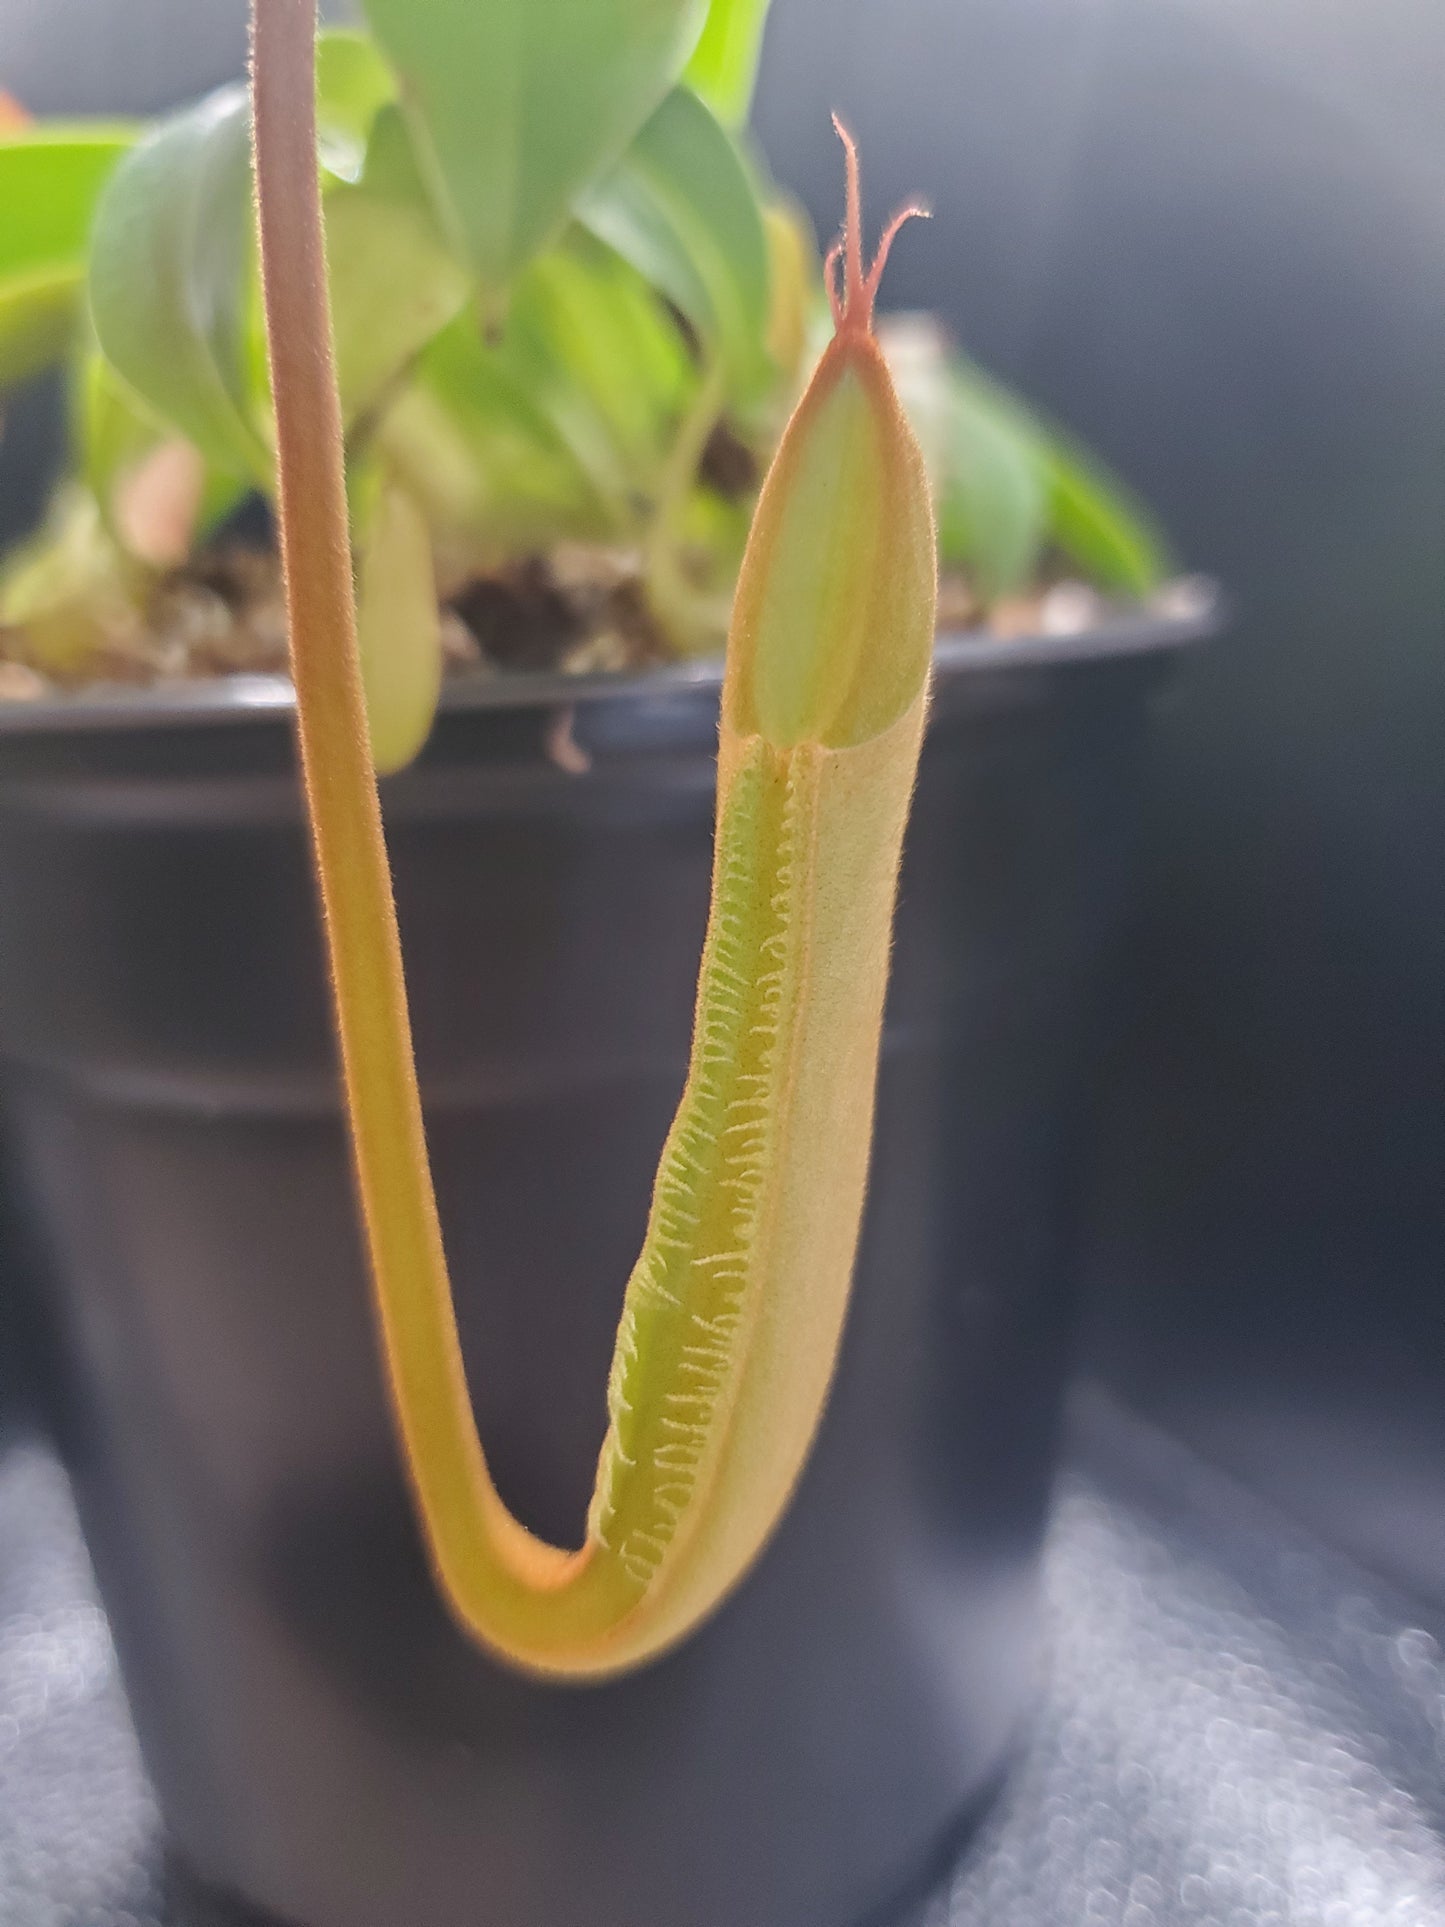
[383, 1101]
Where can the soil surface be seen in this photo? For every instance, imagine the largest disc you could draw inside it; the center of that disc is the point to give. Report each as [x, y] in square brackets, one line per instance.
[577, 610]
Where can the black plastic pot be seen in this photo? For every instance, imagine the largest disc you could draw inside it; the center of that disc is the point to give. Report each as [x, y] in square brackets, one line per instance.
[324, 1741]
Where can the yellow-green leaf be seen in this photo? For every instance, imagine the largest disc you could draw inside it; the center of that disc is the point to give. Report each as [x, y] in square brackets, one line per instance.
[37, 319]
[51, 175]
[724, 64]
[50, 179]
[589, 343]
[480, 453]
[397, 626]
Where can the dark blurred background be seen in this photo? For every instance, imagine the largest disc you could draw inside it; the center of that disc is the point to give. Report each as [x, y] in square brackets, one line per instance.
[1209, 235]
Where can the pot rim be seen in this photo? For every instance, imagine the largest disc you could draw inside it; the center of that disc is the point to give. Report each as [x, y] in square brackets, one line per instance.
[1184, 612]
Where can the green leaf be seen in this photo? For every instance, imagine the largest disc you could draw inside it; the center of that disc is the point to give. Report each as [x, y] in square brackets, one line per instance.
[588, 341]
[1102, 527]
[517, 104]
[478, 452]
[559, 428]
[1016, 482]
[170, 277]
[993, 504]
[681, 207]
[353, 84]
[394, 281]
[1008, 485]
[50, 179]
[724, 64]
[398, 630]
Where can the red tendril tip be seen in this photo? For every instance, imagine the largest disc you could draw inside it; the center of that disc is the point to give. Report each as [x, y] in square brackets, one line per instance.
[852, 305]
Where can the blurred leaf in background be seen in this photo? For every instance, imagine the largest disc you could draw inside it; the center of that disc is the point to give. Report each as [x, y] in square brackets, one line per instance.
[50, 180]
[1102, 526]
[515, 105]
[170, 270]
[492, 469]
[394, 281]
[993, 497]
[398, 628]
[681, 207]
[1013, 493]
[353, 84]
[724, 64]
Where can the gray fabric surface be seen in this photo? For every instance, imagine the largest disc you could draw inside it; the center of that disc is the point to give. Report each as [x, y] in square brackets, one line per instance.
[1240, 1728]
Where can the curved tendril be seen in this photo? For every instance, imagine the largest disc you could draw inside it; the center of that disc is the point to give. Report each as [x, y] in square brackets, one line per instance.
[731, 1319]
